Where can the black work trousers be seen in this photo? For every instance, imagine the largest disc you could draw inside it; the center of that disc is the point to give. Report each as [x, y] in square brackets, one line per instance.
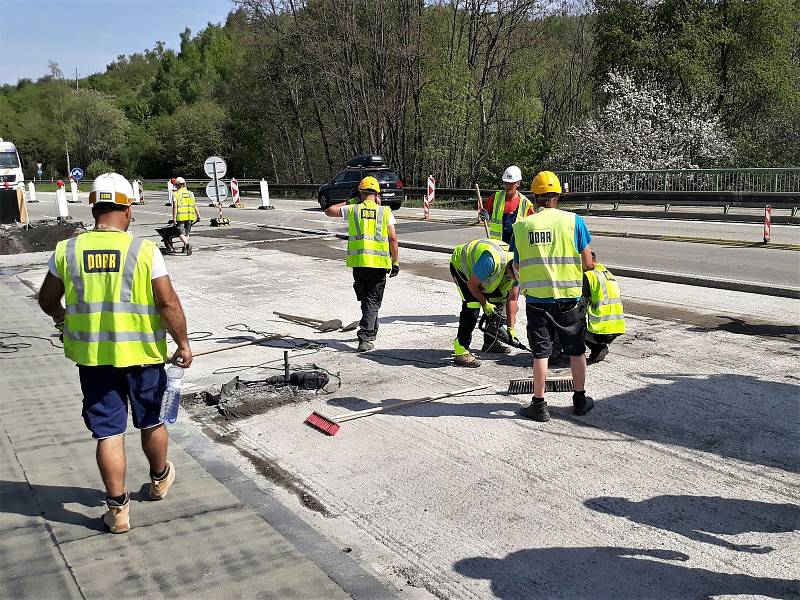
[469, 316]
[369, 285]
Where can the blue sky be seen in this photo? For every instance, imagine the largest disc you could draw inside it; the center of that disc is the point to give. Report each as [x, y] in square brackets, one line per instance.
[89, 34]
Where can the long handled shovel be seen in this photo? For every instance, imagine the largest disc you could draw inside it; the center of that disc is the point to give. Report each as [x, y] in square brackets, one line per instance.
[480, 209]
[325, 326]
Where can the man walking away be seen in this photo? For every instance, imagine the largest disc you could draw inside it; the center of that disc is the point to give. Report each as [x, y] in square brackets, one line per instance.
[552, 250]
[605, 319]
[483, 270]
[372, 251]
[119, 300]
[184, 213]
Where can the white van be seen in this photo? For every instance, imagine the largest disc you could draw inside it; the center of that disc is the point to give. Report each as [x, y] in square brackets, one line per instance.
[10, 165]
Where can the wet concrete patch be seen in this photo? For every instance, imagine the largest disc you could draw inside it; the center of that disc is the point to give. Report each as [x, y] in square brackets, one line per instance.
[247, 234]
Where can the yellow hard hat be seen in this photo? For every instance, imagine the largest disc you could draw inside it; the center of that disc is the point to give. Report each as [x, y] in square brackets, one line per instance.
[369, 184]
[546, 182]
[111, 188]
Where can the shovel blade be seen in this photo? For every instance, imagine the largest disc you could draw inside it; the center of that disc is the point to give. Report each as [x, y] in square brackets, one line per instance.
[351, 327]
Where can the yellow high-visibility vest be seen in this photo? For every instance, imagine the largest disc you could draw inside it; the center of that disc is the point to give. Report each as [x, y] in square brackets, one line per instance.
[549, 265]
[184, 201]
[368, 236]
[465, 257]
[604, 314]
[111, 314]
[499, 205]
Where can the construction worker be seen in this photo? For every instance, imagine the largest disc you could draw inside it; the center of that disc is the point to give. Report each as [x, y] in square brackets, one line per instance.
[184, 213]
[506, 208]
[483, 270]
[552, 250]
[119, 300]
[372, 251]
[605, 319]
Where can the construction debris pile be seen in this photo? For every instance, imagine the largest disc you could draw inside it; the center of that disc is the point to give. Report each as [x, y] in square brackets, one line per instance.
[38, 236]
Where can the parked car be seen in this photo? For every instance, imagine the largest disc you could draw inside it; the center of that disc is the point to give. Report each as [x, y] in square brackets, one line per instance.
[345, 185]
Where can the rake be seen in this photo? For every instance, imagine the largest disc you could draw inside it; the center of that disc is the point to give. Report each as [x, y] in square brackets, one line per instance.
[552, 384]
[330, 425]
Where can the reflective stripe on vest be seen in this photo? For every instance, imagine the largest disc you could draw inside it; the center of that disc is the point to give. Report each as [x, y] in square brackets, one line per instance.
[184, 200]
[368, 236]
[465, 257]
[604, 312]
[550, 265]
[498, 208]
[111, 315]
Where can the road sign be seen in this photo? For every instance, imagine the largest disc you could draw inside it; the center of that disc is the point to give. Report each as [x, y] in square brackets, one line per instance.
[218, 193]
[39, 165]
[77, 173]
[39, 172]
[214, 166]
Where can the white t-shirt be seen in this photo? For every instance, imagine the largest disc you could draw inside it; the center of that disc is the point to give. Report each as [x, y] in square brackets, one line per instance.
[346, 208]
[157, 268]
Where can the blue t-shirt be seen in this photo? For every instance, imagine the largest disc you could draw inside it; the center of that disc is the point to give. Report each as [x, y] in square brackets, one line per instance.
[582, 239]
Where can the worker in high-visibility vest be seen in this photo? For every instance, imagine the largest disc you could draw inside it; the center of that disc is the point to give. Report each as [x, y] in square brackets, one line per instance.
[372, 252]
[605, 319]
[184, 213]
[120, 304]
[506, 207]
[551, 248]
[483, 270]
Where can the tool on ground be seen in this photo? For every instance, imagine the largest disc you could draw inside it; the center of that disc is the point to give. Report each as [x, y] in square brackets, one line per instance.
[266, 338]
[330, 325]
[330, 425]
[308, 380]
[480, 209]
[495, 328]
[551, 384]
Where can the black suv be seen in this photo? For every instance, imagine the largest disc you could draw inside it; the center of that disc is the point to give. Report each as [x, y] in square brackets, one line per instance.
[345, 185]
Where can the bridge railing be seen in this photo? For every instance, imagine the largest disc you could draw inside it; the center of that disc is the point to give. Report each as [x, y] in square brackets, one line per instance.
[684, 180]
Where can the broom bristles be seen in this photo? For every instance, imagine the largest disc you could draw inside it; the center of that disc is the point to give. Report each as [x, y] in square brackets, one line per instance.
[323, 423]
[554, 384]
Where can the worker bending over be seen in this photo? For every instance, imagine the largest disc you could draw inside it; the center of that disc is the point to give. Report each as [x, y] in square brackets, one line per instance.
[605, 319]
[119, 300]
[372, 251]
[184, 213]
[483, 270]
[552, 250]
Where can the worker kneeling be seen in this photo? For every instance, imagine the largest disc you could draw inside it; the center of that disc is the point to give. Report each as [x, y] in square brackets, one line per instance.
[484, 272]
[605, 319]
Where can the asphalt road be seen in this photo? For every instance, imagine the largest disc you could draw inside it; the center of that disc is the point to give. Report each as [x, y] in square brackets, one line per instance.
[728, 260]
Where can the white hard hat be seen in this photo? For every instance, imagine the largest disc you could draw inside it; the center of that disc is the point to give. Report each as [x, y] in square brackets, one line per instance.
[180, 180]
[512, 174]
[111, 188]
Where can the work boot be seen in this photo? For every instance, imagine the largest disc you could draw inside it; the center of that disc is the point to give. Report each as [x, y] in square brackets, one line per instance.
[117, 517]
[365, 346]
[597, 354]
[466, 360]
[159, 488]
[494, 348]
[582, 403]
[536, 410]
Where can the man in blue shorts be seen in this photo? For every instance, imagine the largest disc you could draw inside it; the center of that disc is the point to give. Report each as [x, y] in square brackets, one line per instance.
[120, 303]
[551, 248]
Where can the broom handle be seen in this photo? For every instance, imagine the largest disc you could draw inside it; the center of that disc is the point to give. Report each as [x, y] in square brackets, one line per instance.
[296, 318]
[480, 208]
[273, 336]
[379, 409]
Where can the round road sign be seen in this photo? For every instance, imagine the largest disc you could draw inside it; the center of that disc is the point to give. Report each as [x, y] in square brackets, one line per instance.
[77, 173]
[220, 191]
[215, 163]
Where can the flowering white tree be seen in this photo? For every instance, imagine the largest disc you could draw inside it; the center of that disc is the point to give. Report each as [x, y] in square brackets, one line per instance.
[642, 128]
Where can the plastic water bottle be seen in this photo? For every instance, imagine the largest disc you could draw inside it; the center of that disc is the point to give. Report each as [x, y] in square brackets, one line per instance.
[172, 395]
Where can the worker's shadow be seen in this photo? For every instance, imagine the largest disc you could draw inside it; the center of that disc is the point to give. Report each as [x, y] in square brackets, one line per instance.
[612, 573]
[423, 358]
[730, 415]
[704, 518]
[435, 320]
[742, 327]
[50, 502]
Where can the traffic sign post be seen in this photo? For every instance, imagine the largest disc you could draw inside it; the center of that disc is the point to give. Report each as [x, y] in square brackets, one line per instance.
[39, 170]
[215, 167]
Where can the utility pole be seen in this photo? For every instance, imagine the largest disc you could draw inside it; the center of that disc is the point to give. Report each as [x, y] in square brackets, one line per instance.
[76, 79]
